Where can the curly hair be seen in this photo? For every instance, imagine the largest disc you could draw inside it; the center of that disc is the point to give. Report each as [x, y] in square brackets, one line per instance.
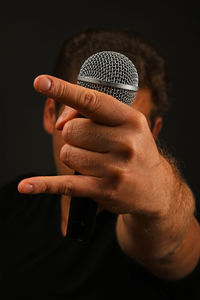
[151, 66]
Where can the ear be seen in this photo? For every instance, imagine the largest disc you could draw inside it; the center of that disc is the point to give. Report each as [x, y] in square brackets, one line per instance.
[49, 116]
[157, 127]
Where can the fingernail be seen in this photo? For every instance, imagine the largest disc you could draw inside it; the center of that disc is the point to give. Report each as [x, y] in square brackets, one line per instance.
[27, 188]
[44, 83]
[62, 117]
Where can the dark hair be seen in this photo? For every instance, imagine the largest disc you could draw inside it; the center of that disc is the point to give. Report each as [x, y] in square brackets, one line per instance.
[150, 64]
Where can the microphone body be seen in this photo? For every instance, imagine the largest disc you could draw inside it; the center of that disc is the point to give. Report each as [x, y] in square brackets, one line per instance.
[114, 74]
[82, 216]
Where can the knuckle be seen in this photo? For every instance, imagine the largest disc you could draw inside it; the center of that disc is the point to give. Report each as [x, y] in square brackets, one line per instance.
[140, 120]
[68, 130]
[112, 182]
[136, 119]
[107, 194]
[65, 154]
[46, 187]
[115, 176]
[126, 149]
[69, 188]
[61, 90]
[128, 152]
[89, 101]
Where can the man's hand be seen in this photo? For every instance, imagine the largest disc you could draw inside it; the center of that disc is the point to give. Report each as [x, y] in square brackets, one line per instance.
[112, 148]
[114, 151]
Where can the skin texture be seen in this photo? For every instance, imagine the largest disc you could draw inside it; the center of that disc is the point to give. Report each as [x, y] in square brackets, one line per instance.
[122, 169]
[142, 103]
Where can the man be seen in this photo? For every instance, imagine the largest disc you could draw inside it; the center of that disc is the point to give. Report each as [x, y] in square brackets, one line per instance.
[146, 239]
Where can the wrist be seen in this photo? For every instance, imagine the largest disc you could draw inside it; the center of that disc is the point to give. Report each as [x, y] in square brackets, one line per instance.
[158, 232]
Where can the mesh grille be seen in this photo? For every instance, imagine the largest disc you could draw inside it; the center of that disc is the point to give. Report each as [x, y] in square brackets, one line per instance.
[124, 96]
[114, 68]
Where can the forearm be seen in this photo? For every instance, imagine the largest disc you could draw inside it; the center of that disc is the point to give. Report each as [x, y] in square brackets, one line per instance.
[165, 242]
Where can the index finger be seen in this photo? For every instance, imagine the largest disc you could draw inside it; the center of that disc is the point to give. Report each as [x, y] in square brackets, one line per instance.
[95, 105]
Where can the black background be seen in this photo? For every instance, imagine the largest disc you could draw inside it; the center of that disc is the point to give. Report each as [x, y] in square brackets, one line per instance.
[31, 35]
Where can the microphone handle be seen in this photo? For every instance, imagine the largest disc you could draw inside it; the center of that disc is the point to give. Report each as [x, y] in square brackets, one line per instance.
[82, 216]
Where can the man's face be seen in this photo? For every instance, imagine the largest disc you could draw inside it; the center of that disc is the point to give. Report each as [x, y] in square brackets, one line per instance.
[142, 102]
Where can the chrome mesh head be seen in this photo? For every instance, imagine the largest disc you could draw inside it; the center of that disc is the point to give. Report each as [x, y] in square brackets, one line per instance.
[111, 73]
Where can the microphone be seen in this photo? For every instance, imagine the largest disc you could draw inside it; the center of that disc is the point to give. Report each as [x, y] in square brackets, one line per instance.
[115, 74]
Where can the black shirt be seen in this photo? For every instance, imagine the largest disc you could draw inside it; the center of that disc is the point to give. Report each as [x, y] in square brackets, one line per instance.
[38, 262]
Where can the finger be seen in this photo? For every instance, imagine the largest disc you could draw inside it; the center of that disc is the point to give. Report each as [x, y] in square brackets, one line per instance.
[73, 185]
[97, 106]
[86, 134]
[67, 113]
[86, 162]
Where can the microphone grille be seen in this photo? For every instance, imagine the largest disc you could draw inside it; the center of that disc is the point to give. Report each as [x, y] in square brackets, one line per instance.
[112, 73]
